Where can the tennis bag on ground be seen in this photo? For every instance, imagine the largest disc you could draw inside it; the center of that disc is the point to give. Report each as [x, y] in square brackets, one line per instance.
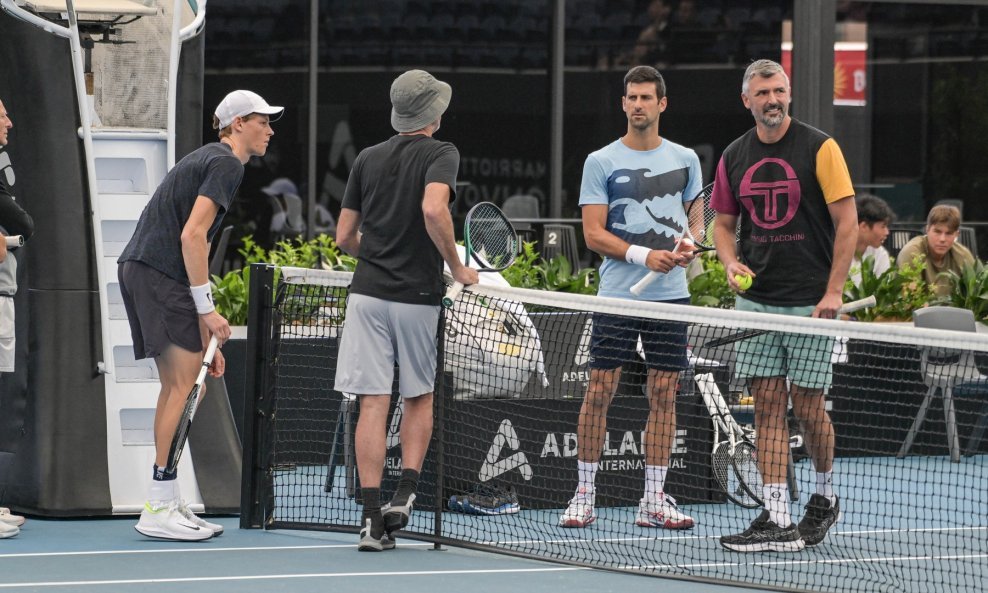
[490, 352]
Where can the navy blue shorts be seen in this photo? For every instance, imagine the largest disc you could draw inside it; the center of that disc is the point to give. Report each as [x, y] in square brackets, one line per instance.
[614, 340]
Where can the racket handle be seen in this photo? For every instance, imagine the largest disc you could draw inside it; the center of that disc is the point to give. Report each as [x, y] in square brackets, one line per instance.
[451, 294]
[642, 284]
[858, 304]
[14, 241]
[210, 351]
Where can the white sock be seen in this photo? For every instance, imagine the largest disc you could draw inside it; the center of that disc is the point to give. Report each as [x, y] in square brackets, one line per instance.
[588, 474]
[655, 480]
[160, 491]
[777, 503]
[176, 490]
[825, 485]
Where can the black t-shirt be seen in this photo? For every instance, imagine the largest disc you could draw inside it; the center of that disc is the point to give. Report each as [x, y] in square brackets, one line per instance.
[398, 260]
[212, 171]
[781, 192]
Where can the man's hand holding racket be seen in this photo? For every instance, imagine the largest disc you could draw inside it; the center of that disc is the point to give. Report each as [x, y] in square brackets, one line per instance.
[465, 275]
[490, 241]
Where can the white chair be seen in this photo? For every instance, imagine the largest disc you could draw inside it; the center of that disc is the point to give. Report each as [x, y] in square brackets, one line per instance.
[944, 369]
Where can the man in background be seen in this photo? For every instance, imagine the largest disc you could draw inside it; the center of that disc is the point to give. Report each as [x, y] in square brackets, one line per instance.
[874, 216]
[13, 221]
[938, 248]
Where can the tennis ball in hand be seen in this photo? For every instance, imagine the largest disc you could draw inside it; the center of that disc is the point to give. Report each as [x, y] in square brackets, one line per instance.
[743, 281]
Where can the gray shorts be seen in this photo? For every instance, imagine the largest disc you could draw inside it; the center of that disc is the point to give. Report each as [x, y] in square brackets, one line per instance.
[378, 334]
[160, 310]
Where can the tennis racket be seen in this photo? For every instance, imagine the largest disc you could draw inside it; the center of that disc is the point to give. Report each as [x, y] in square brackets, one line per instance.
[734, 458]
[849, 307]
[14, 241]
[185, 422]
[699, 215]
[490, 240]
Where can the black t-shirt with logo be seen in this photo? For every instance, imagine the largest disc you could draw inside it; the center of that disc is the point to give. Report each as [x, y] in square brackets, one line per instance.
[212, 171]
[398, 260]
[781, 193]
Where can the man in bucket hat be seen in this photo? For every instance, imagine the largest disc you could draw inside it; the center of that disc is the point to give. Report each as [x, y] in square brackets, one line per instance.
[395, 219]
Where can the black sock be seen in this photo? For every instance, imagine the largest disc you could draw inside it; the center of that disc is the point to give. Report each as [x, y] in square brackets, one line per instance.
[162, 474]
[407, 485]
[372, 511]
[372, 502]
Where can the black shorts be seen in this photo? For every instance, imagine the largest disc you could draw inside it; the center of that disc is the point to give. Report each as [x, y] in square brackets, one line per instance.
[160, 310]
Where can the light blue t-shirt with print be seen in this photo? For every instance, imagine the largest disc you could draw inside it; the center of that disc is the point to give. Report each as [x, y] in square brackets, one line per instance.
[644, 191]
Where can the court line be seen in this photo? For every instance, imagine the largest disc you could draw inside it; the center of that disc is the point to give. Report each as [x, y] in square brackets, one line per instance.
[286, 576]
[690, 537]
[194, 550]
[790, 562]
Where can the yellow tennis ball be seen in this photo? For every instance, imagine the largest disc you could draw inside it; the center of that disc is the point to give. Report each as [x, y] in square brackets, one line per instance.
[743, 280]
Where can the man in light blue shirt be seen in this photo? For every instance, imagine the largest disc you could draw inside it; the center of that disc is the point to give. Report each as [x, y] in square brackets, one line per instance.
[633, 214]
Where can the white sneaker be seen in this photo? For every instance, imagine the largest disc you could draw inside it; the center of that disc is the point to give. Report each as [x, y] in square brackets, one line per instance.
[183, 508]
[11, 519]
[8, 530]
[167, 522]
[662, 513]
[580, 511]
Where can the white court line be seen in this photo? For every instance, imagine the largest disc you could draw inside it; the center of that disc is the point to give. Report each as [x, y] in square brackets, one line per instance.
[813, 561]
[324, 575]
[192, 550]
[691, 537]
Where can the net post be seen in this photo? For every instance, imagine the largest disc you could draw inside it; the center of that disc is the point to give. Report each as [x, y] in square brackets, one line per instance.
[257, 391]
[438, 434]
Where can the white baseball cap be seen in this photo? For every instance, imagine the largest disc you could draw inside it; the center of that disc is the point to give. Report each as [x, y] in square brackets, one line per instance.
[241, 103]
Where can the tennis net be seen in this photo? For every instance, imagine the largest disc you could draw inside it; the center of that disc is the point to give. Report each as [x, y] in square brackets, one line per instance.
[911, 477]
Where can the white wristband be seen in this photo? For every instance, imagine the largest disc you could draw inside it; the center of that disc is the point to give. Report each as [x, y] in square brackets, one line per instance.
[637, 255]
[203, 297]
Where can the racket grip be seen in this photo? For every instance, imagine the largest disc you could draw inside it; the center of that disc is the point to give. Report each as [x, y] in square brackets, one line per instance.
[451, 294]
[14, 241]
[210, 351]
[640, 286]
[858, 304]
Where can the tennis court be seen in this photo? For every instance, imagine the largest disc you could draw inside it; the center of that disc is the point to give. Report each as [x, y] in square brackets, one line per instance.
[913, 522]
[107, 555]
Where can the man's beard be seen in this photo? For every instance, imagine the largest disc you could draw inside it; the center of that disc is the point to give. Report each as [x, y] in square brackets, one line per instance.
[774, 121]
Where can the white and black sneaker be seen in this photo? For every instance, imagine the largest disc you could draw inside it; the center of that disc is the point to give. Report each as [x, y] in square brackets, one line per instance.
[164, 520]
[374, 538]
[765, 536]
[183, 508]
[397, 513]
[820, 517]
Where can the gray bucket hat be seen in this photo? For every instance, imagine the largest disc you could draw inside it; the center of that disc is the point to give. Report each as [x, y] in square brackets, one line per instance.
[417, 100]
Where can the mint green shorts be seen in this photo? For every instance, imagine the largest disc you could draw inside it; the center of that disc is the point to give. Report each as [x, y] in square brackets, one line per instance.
[804, 358]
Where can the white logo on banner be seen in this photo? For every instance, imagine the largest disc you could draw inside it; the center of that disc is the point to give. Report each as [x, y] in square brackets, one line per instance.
[494, 466]
[394, 429]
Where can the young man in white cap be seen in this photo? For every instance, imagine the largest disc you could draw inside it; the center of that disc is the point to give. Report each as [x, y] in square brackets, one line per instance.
[396, 221]
[164, 283]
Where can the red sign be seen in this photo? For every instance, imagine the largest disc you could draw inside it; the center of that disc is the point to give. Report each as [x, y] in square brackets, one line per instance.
[850, 71]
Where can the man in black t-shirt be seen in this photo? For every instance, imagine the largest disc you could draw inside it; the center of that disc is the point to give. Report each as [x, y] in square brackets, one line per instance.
[396, 221]
[164, 282]
[788, 185]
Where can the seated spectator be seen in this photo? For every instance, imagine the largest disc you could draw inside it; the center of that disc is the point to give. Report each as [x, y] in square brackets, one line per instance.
[650, 48]
[874, 216]
[939, 248]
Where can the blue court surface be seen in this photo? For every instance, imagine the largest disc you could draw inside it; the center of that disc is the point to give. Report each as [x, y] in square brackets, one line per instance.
[107, 555]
